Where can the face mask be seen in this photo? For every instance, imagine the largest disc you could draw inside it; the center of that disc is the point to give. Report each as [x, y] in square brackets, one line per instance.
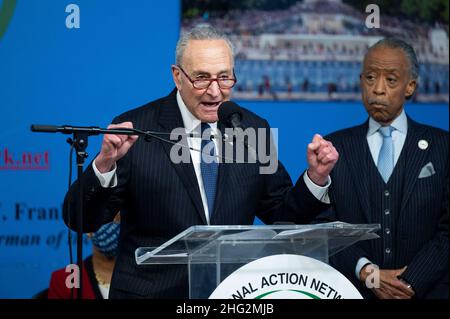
[106, 239]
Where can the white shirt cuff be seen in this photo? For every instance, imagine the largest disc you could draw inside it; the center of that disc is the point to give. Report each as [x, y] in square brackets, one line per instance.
[319, 192]
[107, 180]
[360, 264]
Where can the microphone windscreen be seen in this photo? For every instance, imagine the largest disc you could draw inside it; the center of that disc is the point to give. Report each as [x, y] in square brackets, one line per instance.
[227, 110]
[44, 128]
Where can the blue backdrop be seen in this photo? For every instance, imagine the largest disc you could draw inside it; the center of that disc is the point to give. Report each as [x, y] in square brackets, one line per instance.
[118, 59]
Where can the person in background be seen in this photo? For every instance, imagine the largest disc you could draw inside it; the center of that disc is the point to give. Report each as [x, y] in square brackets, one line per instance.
[97, 268]
[393, 171]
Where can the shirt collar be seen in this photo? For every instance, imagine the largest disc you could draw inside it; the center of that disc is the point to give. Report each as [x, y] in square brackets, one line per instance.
[400, 124]
[191, 123]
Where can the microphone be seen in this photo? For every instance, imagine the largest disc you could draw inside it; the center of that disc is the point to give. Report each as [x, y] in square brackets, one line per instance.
[231, 115]
[44, 128]
[68, 129]
[95, 130]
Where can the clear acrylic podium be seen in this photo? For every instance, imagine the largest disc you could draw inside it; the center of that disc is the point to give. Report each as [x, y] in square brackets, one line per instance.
[211, 253]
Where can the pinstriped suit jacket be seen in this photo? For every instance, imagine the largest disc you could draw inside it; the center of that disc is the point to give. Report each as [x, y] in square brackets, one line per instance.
[159, 199]
[421, 226]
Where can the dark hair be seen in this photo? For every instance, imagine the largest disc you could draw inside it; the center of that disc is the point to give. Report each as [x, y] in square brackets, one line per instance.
[395, 43]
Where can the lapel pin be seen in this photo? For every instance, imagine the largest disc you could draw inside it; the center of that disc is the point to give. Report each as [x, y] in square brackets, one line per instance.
[423, 144]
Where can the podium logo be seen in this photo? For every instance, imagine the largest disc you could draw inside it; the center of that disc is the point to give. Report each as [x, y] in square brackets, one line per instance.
[286, 277]
[6, 12]
[24, 161]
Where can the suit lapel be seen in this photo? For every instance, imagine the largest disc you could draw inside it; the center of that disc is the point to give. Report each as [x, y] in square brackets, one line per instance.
[415, 157]
[355, 151]
[169, 119]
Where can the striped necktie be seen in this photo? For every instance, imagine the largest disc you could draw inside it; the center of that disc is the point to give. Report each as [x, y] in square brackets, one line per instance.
[209, 167]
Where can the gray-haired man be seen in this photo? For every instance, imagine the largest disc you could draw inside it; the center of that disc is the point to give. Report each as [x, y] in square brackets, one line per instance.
[159, 198]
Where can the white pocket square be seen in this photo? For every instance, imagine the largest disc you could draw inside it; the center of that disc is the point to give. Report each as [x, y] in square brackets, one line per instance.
[427, 170]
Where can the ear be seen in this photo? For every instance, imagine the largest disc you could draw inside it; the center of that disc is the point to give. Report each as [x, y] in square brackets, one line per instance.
[176, 74]
[410, 88]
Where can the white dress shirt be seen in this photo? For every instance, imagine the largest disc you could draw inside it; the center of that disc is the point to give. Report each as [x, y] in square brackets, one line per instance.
[193, 125]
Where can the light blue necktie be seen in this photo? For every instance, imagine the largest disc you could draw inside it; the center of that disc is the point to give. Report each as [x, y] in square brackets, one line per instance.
[209, 167]
[385, 162]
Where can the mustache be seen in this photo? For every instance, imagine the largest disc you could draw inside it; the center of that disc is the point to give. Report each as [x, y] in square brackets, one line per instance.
[374, 101]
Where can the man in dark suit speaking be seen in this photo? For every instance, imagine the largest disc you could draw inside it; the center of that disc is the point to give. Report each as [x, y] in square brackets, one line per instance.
[393, 171]
[158, 198]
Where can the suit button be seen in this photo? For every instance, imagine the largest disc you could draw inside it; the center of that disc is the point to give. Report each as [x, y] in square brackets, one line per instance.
[386, 193]
[387, 211]
[388, 231]
[387, 250]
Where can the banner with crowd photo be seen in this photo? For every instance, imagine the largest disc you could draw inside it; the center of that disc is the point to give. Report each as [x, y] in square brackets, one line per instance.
[313, 49]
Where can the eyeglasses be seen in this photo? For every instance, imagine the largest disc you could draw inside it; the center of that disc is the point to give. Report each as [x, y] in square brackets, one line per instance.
[202, 84]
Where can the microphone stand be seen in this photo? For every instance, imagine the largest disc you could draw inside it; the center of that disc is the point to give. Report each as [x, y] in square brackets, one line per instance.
[80, 143]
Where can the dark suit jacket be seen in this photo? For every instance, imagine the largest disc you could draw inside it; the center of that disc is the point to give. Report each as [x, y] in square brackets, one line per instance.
[420, 228]
[159, 199]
